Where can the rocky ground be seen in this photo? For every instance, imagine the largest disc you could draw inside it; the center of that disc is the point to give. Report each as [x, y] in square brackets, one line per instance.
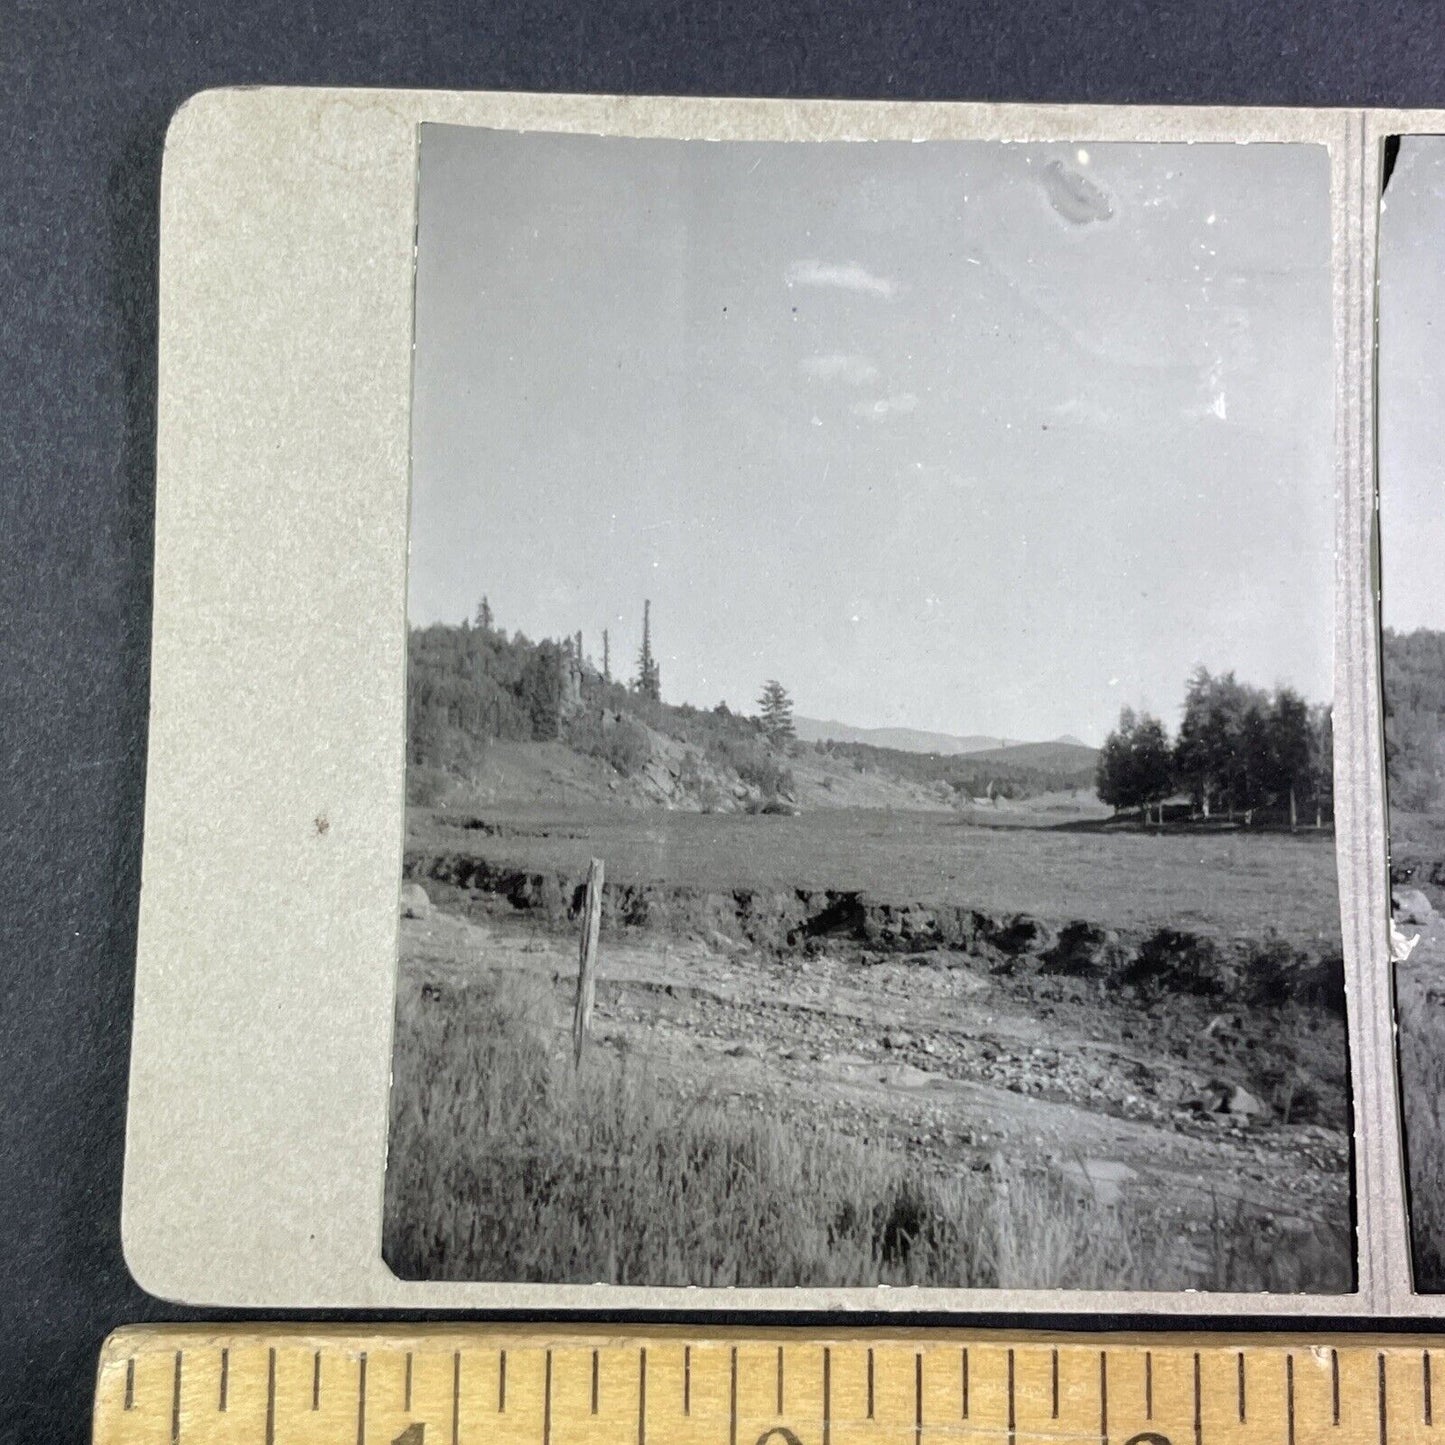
[1420, 1002]
[965, 1062]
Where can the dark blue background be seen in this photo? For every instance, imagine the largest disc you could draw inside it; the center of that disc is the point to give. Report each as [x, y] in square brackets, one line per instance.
[85, 94]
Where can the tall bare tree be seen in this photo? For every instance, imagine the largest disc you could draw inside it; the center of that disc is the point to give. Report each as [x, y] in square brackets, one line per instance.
[649, 677]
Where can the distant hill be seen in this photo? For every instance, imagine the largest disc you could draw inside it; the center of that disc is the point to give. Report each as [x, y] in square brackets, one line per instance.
[1065, 755]
[1022, 771]
[915, 740]
[903, 740]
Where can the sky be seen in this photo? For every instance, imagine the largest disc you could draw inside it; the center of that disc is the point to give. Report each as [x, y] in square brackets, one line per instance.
[1412, 387]
[965, 436]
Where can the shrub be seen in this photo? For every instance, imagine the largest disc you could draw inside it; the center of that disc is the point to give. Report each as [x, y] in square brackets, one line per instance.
[1170, 962]
[754, 763]
[693, 779]
[1276, 972]
[618, 741]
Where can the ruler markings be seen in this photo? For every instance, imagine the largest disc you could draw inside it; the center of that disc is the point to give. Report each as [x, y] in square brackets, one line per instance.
[361, 1400]
[1198, 1404]
[827, 1396]
[1012, 1415]
[1220, 1396]
[456, 1397]
[1289, 1398]
[918, 1398]
[733, 1399]
[176, 1402]
[642, 1397]
[1384, 1425]
[1104, 1397]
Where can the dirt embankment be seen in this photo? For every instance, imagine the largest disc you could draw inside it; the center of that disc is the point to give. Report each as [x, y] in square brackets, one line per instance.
[1150, 964]
[998, 1053]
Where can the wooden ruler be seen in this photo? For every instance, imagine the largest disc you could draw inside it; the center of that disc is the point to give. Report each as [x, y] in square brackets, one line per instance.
[496, 1385]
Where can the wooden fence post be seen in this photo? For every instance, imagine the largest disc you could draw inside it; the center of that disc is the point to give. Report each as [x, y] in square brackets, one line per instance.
[587, 960]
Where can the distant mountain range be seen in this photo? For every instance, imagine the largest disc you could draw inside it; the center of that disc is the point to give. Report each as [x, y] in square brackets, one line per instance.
[913, 740]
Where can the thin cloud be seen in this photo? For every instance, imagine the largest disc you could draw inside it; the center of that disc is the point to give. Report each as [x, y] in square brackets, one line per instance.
[886, 406]
[846, 277]
[1086, 411]
[839, 366]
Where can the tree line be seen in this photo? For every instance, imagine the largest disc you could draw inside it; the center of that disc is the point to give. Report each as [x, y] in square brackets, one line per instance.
[1241, 752]
[472, 683]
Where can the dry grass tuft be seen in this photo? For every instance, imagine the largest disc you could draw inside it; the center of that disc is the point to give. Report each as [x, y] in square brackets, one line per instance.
[506, 1165]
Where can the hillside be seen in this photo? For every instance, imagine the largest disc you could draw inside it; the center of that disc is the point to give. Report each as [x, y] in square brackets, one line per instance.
[1066, 755]
[492, 718]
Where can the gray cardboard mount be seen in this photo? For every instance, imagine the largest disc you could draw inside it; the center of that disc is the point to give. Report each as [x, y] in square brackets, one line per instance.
[274, 812]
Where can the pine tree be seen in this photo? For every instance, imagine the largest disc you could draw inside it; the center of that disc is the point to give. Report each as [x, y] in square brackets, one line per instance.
[606, 657]
[484, 615]
[649, 678]
[777, 713]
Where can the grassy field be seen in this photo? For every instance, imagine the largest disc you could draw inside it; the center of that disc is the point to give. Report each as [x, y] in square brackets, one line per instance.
[1227, 885]
[508, 1165]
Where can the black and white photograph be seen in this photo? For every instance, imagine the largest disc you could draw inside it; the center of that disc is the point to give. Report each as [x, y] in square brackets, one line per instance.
[869, 761]
[1412, 538]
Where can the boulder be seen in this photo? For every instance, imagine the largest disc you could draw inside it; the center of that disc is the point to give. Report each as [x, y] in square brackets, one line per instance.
[1244, 1105]
[1411, 906]
[1219, 1096]
[414, 902]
